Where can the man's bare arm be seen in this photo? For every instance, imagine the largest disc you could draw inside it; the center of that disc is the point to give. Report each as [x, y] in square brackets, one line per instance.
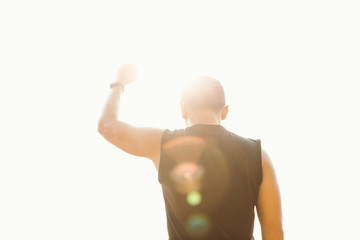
[269, 203]
[143, 142]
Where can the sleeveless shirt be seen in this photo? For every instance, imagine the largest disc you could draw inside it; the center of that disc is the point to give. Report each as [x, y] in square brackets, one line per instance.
[210, 179]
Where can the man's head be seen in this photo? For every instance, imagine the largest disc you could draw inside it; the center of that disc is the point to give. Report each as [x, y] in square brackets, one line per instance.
[203, 101]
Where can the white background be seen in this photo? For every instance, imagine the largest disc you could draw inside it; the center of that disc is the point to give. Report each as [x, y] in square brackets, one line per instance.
[290, 70]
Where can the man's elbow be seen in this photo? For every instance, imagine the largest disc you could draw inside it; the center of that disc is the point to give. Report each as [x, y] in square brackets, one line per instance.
[111, 129]
[103, 127]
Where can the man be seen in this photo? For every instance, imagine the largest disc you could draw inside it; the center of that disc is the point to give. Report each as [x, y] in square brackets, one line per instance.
[212, 179]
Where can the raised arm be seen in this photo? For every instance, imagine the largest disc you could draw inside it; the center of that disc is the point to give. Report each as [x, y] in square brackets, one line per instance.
[143, 142]
[269, 203]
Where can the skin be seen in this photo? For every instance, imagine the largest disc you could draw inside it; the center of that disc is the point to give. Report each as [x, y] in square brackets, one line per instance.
[146, 142]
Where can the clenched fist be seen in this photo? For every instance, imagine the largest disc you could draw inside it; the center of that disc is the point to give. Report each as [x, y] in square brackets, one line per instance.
[127, 73]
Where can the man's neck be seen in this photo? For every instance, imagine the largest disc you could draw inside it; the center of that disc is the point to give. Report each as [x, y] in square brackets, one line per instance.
[208, 118]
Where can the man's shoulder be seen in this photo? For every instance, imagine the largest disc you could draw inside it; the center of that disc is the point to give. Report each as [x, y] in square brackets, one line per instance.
[242, 139]
[173, 133]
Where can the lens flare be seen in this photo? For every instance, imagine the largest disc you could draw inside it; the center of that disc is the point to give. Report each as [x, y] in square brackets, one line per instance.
[194, 198]
[187, 177]
[198, 225]
[187, 148]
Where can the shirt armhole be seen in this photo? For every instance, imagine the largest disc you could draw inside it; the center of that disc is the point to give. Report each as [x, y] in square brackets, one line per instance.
[164, 139]
[258, 166]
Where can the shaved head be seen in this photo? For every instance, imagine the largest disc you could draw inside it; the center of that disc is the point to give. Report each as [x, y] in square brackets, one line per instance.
[204, 92]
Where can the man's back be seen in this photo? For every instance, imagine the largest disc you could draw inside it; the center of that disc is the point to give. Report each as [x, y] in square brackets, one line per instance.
[210, 179]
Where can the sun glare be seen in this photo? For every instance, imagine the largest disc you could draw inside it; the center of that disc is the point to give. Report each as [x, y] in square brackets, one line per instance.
[290, 70]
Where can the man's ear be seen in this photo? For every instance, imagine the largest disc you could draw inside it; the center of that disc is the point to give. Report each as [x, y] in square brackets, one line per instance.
[184, 111]
[224, 112]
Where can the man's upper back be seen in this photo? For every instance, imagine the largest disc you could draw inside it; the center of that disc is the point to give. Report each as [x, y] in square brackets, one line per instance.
[210, 179]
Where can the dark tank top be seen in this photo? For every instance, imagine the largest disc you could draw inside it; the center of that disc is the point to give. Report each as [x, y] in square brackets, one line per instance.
[210, 179]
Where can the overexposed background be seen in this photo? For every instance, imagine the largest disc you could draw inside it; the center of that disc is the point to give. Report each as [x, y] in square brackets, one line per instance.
[290, 70]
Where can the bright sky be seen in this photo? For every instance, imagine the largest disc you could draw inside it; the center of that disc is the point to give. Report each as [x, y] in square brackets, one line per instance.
[290, 71]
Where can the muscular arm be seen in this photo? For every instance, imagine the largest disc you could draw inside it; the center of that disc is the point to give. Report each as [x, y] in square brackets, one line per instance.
[269, 203]
[143, 142]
